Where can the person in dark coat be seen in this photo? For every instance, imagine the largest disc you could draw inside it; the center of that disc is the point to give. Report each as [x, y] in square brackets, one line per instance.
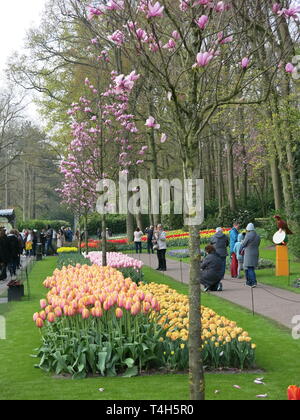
[250, 248]
[220, 241]
[14, 252]
[4, 254]
[150, 231]
[211, 270]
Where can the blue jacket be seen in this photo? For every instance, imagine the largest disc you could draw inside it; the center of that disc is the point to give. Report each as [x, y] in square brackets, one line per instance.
[233, 239]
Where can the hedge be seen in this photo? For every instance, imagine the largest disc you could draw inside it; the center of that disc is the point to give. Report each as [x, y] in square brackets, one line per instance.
[41, 224]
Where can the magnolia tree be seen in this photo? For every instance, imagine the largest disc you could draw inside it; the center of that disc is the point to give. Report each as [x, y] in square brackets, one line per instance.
[102, 131]
[202, 55]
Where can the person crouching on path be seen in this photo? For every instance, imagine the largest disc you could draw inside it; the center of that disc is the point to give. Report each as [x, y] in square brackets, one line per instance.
[211, 270]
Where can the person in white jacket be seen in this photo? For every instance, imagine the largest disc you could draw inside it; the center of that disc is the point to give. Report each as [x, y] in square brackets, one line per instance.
[161, 238]
[138, 240]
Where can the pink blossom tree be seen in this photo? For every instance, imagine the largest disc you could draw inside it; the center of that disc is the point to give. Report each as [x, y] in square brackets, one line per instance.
[202, 55]
[101, 129]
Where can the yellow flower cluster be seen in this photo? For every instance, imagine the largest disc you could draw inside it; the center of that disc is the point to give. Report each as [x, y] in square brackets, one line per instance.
[175, 318]
[66, 249]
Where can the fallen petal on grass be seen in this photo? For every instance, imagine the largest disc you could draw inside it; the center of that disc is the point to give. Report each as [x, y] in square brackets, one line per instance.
[236, 386]
[262, 396]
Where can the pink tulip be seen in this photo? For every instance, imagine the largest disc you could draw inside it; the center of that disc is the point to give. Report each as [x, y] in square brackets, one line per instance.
[39, 323]
[85, 314]
[36, 316]
[43, 303]
[58, 312]
[119, 313]
[51, 317]
[43, 315]
[98, 312]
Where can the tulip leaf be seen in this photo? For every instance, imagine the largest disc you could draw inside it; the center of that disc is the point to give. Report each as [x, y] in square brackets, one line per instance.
[130, 372]
[129, 362]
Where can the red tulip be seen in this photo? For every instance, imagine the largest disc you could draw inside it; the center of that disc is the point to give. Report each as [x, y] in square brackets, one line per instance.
[293, 393]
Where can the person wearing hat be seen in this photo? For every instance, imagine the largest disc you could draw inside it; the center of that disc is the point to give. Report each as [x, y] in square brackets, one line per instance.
[250, 250]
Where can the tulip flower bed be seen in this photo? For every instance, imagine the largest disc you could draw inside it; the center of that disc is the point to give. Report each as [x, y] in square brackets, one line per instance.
[224, 343]
[129, 267]
[174, 239]
[66, 250]
[94, 321]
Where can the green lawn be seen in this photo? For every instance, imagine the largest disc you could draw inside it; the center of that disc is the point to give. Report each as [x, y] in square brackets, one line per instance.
[277, 352]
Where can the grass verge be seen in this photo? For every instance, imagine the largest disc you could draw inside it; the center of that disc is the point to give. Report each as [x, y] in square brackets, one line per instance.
[277, 353]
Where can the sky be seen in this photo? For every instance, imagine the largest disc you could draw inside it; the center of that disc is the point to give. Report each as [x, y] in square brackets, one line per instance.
[16, 17]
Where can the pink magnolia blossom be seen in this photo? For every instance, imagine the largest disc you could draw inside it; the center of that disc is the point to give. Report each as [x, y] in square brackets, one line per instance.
[220, 7]
[155, 10]
[176, 35]
[170, 45]
[152, 124]
[163, 138]
[203, 59]
[202, 22]
[245, 62]
[117, 38]
[115, 5]
[289, 68]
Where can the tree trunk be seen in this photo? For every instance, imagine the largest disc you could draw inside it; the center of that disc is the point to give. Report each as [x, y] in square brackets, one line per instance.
[276, 183]
[104, 242]
[196, 370]
[231, 189]
[24, 191]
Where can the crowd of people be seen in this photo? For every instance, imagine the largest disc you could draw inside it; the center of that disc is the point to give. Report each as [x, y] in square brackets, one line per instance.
[13, 244]
[244, 255]
[156, 241]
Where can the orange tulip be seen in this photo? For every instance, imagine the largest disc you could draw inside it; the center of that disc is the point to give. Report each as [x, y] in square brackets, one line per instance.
[43, 303]
[36, 316]
[39, 323]
[43, 315]
[51, 317]
[58, 312]
[293, 393]
[119, 313]
[85, 314]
